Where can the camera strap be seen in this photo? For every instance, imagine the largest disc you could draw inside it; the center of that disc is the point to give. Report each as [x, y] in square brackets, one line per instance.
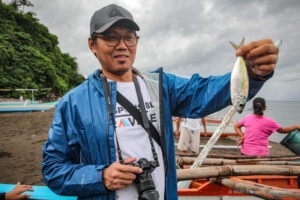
[110, 114]
[136, 114]
[146, 122]
[141, 117]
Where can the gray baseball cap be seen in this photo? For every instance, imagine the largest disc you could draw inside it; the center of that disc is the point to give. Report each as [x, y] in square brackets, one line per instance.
[105, 17]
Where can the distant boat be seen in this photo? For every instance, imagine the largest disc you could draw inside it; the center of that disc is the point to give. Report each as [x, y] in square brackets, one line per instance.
[17, 102]
[26, 106]
[211, 124]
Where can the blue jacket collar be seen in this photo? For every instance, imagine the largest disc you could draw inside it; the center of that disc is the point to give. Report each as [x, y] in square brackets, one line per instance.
[95, 79]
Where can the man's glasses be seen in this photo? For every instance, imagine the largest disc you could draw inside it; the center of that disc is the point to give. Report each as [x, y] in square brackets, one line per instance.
[113, 40]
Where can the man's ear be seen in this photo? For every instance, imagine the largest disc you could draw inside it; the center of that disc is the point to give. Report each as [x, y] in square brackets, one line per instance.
[92, 46]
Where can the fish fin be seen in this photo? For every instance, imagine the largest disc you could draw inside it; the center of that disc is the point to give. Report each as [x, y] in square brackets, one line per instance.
[234, 45]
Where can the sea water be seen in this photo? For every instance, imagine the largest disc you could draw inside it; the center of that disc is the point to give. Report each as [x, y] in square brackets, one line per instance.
[285, 113]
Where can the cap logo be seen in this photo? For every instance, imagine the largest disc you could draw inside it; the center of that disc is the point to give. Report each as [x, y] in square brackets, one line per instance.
[115, 13]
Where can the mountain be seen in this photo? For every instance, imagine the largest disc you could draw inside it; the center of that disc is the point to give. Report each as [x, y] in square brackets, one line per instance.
[31, 59]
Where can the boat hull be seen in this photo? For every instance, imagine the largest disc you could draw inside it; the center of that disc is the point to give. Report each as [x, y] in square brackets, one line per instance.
[209, 189]
[292, 142]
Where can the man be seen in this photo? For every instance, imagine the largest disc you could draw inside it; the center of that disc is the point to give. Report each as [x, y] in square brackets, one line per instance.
[190, 134]
[88, 137]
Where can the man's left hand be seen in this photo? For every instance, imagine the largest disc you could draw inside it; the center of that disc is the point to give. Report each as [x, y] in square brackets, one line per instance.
[260, 56]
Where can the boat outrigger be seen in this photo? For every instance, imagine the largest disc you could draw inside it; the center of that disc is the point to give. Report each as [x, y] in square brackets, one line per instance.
[242, 177]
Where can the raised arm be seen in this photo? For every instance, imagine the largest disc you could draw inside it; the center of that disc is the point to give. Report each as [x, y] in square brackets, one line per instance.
[288, 129]
[198, 96]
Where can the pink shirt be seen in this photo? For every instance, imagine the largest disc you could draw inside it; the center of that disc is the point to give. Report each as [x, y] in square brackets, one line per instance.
[257, 131]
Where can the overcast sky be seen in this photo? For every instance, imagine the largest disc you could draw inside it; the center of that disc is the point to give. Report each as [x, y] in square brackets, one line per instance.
[187, 37]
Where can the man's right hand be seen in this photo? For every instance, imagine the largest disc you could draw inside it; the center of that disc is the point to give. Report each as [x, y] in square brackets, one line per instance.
[118, 176]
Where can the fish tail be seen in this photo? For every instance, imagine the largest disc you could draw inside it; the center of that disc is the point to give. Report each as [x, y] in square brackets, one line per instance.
[242, 42]
[235, 46]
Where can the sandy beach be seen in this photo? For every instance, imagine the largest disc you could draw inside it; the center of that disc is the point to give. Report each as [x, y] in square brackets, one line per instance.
[23, 134]
[21, 139]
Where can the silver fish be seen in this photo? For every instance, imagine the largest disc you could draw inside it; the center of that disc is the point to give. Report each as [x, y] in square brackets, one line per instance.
[239, 83]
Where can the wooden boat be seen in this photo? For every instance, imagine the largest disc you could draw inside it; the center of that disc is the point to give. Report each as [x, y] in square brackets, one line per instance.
[292, 142]
[241, 177]
[260, 186]
[26, 106]
[211, 125]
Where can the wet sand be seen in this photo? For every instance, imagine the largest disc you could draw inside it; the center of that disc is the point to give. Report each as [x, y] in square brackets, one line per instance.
[23, 134]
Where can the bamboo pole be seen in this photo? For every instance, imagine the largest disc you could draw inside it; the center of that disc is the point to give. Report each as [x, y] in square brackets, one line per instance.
[207, 161]
[222, 146]
[271, 159]
[283, 158]
[186, 154]
[260, 190]
[216, 161]
[211, 142]
[236, 170]
[241, 156]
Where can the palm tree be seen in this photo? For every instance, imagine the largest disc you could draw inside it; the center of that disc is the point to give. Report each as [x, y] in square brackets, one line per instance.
[14, 4]
[17, 3]
[25, 3]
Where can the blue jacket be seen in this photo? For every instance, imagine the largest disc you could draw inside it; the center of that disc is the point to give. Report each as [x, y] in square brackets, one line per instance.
[81, 137]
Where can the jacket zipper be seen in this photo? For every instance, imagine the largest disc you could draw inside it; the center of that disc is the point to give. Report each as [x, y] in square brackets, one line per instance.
[161, 109]
[107, 134]
[107, 128]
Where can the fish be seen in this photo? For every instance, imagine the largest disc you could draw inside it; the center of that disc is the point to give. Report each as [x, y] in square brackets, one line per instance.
[239, 83]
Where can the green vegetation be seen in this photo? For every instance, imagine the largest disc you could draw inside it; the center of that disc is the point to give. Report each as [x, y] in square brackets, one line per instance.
[30, 56]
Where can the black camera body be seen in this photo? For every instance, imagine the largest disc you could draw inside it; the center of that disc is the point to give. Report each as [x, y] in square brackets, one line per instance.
[144, 182]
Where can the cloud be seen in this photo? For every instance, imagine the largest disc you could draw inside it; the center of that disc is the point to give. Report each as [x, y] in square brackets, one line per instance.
[187, 37]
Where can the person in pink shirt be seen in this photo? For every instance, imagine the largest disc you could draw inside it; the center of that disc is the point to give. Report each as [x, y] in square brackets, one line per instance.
[258, 128]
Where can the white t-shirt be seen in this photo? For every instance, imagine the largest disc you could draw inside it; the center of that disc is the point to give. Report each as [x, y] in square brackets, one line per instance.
[192, 124]
[134, 140]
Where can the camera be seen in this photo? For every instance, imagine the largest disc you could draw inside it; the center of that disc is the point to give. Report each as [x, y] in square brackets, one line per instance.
[144, 182]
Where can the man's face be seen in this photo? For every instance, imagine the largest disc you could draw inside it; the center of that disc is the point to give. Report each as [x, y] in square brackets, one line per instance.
[114, 59]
